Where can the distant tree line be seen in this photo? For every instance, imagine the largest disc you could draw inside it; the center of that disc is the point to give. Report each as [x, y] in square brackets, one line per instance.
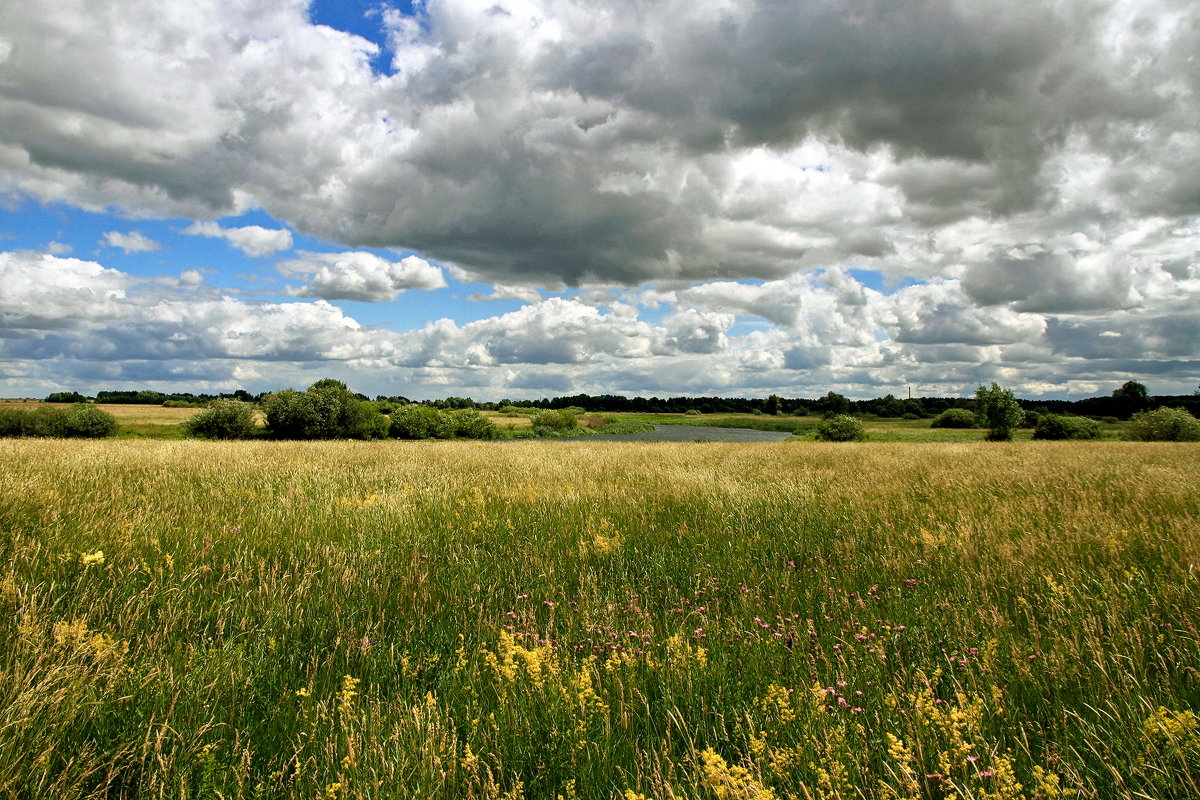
[148, 397]
[1127, 400]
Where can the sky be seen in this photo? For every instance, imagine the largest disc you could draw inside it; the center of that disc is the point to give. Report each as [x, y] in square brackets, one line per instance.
[527, 198]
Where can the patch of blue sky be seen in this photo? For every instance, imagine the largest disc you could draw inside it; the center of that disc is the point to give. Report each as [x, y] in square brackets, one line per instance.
[362, 18]
[746, 325]
[873, 279]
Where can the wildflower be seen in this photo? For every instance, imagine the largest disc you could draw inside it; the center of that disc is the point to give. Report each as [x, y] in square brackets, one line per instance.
[88, 559]
[347, 694]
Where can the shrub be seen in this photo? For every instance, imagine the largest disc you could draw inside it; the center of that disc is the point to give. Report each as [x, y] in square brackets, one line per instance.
[1000, 412]
[470, 424]
[557, 421]
[1163, 425]
[83, 421]
[841, 428]
[955, 418]
[693, 412]
[421, 422]
[41, 421]
[326, 410]
[223, 419]
[363, 420]
[13, 422]
[1066, 426]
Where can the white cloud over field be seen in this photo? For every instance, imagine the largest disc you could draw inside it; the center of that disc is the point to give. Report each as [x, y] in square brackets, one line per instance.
[1024, 179]
[64, 319]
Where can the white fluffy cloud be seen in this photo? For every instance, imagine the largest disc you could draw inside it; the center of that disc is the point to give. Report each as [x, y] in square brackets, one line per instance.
[132, 242]
[69, 322]
[1029, 179]
[360, 276]
[556, 140]
[253, 240]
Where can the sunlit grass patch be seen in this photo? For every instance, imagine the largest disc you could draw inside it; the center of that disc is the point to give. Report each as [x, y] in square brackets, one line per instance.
[595, 620]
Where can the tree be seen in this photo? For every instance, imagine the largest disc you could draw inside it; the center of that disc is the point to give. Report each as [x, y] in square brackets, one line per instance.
[1131, 398]
[833, 403]
[771, 404]
[326, 410]
[1000, 412]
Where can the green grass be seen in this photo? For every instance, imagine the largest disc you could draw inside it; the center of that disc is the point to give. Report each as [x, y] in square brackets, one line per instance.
[459, 619]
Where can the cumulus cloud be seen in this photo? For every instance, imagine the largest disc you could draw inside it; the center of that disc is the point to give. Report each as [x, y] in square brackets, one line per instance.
[67, 321]
[253, 240]
[44, 292]
[132, 242]
[501, 292]
[360, 276]
[1033, 174]
[552, 140]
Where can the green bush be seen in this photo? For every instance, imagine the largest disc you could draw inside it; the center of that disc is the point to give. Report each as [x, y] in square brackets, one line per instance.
[841, 428]
[557, 422]
[1163, 425]
[80, 421]
[39, 421]
[83, 421]
[326, 410]
[13, 422]
[470, 424]
[1000, 412]
[223, 419]
[955, 418]
[421, 422]
[1066, 426]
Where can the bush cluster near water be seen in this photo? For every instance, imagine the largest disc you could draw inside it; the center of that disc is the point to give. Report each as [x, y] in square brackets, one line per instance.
[425, 422]
[841, 428]
[562, 422]
[80, 421]
[1163, 425]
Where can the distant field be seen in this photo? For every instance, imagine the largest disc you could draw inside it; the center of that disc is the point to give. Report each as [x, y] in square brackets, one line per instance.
[157, 422]
[595, 620]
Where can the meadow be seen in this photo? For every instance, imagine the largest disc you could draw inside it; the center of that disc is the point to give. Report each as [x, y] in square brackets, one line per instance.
[186, 619]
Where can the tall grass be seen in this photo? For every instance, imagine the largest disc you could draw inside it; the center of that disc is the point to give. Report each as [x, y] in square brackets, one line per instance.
[598, 620]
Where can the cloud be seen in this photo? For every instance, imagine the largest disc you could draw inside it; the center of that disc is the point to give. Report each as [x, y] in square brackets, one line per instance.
[1033, 279]
[549, 141]
[70, 322]
[502, 292]
[132, 242]
[253, 240]
[44, 292]
[1026, 184]
[360, 276]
